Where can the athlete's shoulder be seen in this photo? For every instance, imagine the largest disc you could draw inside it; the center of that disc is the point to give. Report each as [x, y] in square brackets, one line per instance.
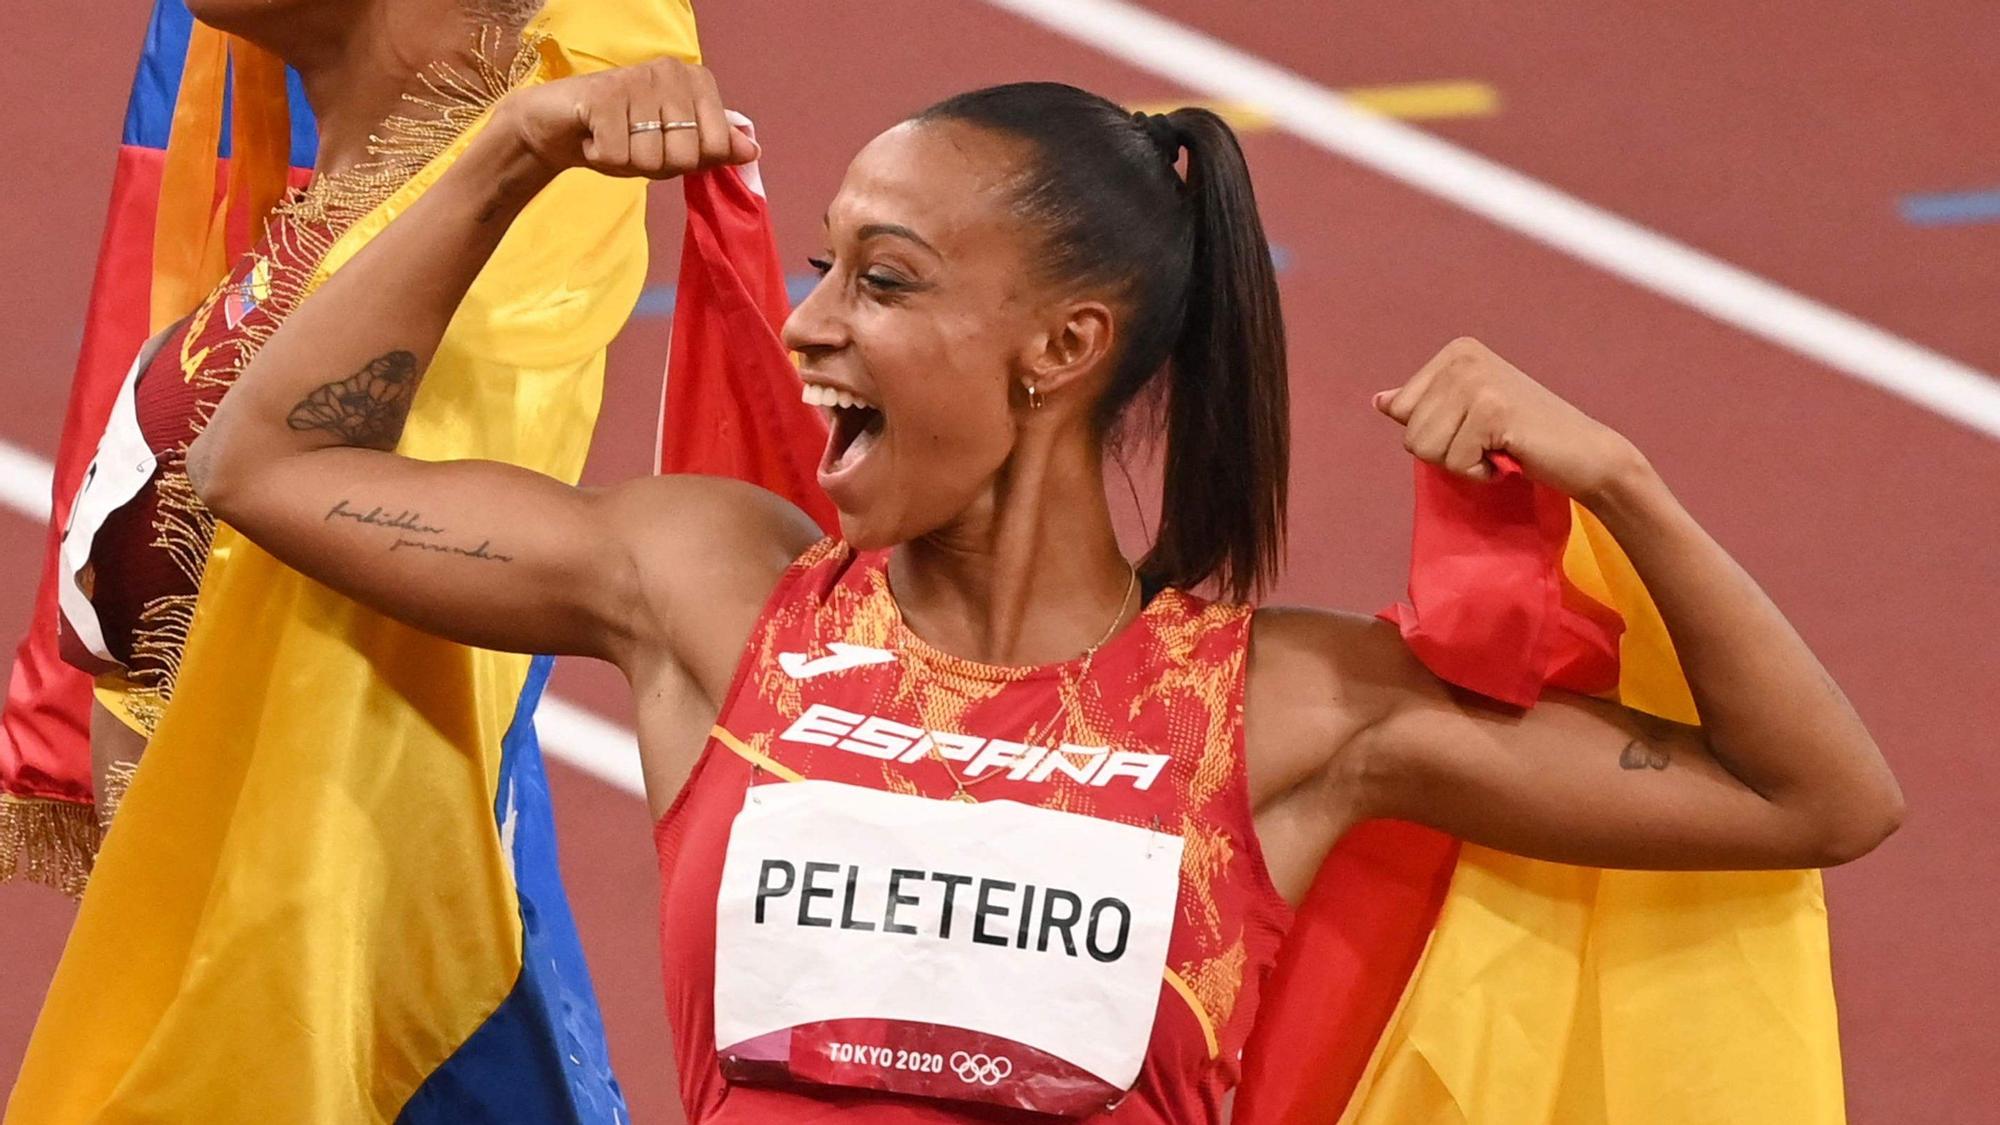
[1331, 656]
[731, 522]
[706, 552]
[1319, 676]
[1309, 633]
[1178, 609]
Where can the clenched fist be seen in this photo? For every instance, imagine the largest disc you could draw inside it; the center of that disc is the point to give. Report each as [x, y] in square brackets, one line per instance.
[659, 120]
[1467, 403]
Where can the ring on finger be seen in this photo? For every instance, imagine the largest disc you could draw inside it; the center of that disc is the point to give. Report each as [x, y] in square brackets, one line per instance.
[661, 126]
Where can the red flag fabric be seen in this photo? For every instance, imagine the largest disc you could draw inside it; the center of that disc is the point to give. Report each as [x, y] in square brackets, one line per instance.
[732, 404]
[1355, 941]
[1490, 608]
[45, 728]
[1490, 611]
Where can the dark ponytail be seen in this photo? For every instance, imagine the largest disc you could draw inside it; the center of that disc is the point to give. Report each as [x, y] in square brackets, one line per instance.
[1222, 511]
[1189, 260]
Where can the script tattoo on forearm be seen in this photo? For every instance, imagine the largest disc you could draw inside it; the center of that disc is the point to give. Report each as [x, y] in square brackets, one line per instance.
[414, 533]
[367, 408]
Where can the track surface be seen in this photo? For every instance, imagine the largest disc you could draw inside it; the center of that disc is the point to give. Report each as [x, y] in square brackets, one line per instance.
[1782, 147]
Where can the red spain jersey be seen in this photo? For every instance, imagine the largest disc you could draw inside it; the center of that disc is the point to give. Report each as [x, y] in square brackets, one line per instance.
[1086, 935]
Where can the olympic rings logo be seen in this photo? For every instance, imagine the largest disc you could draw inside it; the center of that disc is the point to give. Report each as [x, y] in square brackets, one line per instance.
[987, 1070]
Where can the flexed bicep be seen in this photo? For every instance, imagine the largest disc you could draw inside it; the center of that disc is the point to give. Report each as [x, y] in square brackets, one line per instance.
[1577, 780]
[299, 455]
[1350, 726]
[479, 552]
[501, 557]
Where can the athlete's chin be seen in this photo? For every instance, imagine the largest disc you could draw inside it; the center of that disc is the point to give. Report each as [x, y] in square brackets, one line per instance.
[867, 528]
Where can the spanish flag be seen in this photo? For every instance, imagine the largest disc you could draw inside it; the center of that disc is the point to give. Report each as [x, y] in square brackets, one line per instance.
[331, 893]
[1429, 982]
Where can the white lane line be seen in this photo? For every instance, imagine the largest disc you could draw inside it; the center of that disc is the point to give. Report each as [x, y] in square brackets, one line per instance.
[597, 746]
[25, 483]
[1316, 114]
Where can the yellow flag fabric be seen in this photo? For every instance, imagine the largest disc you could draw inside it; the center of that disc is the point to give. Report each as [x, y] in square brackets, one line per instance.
[1579, 996]
[307, 906]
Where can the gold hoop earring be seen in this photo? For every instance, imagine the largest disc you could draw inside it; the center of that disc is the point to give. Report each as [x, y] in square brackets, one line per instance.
[1034, 397]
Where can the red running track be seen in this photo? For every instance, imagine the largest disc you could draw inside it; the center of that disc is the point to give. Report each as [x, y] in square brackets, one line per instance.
[1778, 144]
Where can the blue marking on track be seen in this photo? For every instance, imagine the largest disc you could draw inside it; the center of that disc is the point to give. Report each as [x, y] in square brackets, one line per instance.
[1952, 208]
[655, 300]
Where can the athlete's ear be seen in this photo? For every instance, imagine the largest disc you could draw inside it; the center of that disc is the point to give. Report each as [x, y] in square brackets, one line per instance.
[1076, 346]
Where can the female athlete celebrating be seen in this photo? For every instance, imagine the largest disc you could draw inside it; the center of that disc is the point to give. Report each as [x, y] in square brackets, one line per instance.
[967, 808]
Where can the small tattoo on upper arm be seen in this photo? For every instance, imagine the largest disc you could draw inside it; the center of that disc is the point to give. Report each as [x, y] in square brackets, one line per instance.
[1640, 755]
[368, 408]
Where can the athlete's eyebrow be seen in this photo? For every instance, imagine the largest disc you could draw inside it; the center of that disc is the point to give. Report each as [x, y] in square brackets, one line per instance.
[887, 230]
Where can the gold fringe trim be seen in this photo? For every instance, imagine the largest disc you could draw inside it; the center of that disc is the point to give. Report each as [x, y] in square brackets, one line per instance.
[117, 779]
[300, 233]
[451, 101]
[49, 842]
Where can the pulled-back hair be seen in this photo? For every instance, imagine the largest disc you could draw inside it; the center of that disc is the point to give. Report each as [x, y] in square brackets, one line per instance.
[1188, 260]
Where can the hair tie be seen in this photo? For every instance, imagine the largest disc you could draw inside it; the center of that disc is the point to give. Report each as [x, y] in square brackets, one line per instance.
[1165, 135]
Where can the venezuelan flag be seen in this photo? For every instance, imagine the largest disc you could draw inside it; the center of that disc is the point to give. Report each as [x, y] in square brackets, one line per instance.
[332, 895]
[1428, 983]
[48, 831]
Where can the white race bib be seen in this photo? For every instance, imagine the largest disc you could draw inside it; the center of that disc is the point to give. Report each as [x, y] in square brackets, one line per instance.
[993, 952]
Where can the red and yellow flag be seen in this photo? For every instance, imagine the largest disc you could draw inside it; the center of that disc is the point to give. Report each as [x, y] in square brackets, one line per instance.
[1432, 982]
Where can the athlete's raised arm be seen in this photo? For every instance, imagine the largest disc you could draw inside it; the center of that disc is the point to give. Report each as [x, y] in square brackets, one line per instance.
[298, 459]
[1781, 773]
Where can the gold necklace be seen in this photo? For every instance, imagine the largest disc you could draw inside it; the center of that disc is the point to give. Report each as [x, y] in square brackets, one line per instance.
[961, 787]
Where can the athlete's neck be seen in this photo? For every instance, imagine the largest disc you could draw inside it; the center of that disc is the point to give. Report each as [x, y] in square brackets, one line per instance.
[1032, 574]
[358, 60]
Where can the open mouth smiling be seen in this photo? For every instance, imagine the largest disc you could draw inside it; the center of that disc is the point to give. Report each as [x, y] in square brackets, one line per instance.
[853, 426]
